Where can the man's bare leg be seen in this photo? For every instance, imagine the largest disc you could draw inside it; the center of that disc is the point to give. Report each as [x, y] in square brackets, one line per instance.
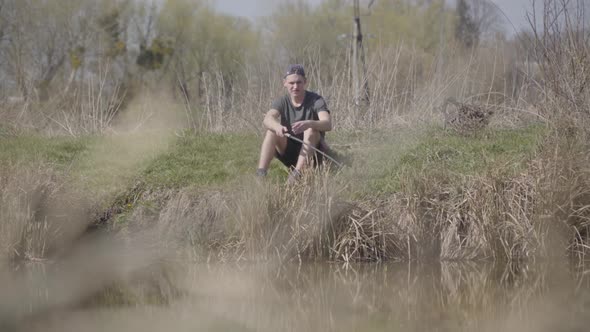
[270, 145]
[311, 137]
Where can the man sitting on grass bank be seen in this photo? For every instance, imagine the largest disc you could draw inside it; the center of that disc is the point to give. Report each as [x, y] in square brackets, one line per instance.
[300, 113]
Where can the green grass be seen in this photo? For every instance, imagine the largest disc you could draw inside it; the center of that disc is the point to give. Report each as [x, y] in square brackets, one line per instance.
[30, 149]
[384, 162]
[195, 160]
[207, 160]
[202, 160]
[445, 156]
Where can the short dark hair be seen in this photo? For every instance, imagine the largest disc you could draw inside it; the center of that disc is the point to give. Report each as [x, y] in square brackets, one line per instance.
[295, 69]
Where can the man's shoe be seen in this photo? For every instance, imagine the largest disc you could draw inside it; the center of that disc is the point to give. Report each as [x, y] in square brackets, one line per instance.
[294, 176]
[261, 172]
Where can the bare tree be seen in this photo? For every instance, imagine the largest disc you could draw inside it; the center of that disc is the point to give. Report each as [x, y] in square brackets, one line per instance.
[37, 40]
[466, 30]
[2, 19]
[487, 17]
[561, 46]
[476, 20]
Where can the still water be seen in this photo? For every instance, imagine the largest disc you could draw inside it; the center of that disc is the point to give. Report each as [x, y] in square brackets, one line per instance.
[445, 296]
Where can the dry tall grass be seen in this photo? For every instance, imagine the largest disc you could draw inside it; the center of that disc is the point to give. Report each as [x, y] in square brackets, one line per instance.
[24, 230]
[490, 217]
[406, 86]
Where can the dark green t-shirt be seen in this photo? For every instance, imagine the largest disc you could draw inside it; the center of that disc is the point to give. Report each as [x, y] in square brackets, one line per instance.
[309, 109]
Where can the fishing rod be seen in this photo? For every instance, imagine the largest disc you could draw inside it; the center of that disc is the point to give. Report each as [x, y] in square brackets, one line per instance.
[316, 149]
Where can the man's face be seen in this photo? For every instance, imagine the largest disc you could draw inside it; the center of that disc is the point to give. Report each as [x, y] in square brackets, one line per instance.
[295, 84]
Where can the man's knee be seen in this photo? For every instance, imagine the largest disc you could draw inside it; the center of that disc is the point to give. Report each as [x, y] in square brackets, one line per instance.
[271, 134]
[311, 135]
[280, 143]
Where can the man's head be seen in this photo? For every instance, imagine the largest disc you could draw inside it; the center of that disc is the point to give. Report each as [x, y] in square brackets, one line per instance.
[295, 69]
[295, 80]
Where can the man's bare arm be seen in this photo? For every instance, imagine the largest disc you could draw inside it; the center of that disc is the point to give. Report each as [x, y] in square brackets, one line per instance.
[272, 121]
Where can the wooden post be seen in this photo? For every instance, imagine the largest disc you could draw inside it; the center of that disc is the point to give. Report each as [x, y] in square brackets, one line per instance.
[360, 85]
[356, 34]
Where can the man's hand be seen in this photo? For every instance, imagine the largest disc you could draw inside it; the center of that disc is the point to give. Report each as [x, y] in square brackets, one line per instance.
[301, 126]
[281, 131]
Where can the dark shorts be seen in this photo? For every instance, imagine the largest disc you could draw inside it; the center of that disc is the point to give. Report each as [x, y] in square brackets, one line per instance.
[289, 158]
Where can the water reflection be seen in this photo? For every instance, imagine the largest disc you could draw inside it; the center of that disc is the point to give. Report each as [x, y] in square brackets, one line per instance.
[447, 296]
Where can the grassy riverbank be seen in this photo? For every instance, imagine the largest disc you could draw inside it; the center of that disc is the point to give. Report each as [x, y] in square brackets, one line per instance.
[219, 160]
[385, 162]
[203, 188]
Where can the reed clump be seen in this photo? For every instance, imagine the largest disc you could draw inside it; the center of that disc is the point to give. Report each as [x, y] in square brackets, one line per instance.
[486, 217]
[24, 230]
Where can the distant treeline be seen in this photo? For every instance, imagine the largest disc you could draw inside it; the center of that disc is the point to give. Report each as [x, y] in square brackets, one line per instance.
[56, 47]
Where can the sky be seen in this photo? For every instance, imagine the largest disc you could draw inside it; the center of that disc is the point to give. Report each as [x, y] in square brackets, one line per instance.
[514, 10]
